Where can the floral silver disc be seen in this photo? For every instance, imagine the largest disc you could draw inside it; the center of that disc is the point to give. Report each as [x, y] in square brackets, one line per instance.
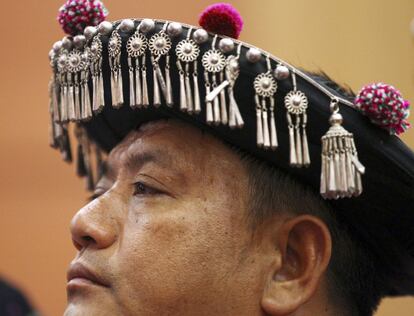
[136, 45]
[187, 50]
[265, 85]
[95, 51]
[296, 102]
[114, 45]
[75, 62]
[214, 61]
[160, 44]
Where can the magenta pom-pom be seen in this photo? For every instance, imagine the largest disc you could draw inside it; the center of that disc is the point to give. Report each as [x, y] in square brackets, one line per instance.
[384, 106]
[223, 19]
[75, 15]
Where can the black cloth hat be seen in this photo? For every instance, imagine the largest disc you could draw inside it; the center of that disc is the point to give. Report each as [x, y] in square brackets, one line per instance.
[381, 215]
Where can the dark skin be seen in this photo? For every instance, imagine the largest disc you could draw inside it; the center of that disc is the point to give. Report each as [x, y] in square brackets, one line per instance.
[168, 235]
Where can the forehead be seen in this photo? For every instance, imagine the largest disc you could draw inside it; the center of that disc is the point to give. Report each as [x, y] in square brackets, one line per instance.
[172, 143]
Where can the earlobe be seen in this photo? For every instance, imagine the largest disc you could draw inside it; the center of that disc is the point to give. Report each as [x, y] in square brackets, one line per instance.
[304, 244]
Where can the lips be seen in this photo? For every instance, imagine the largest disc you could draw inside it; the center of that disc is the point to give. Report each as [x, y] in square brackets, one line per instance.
[80, 275]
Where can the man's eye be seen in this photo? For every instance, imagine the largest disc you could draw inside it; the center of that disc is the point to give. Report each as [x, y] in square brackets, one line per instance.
[143, 189]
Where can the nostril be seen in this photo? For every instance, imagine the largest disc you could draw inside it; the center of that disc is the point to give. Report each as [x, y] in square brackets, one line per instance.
[88, 240]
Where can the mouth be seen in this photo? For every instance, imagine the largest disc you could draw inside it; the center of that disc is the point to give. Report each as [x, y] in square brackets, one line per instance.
[80, 276]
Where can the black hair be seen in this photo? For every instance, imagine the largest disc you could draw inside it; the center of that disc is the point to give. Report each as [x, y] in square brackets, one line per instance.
[353, 284]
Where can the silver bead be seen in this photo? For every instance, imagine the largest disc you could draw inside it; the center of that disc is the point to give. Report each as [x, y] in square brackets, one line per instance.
[226, 45]
[336, 118]
[105, 27]
[281, 72]
[253, 55]
[147, 25]
[200, 36]
[89, 32]
[174, 29]
[67, 42]
[57, 46]
[79, 41]
[127, 25]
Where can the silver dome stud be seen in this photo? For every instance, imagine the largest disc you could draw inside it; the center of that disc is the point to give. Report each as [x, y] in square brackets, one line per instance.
[174, 29]
[79, 41]
[226, 45]
[89, 32]
[127, 25]
[200, 36]
[105, 28]
[281, 72]
[253, 55]
[147, 25]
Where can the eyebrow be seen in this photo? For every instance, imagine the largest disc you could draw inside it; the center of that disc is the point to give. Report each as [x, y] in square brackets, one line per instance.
[137, 159]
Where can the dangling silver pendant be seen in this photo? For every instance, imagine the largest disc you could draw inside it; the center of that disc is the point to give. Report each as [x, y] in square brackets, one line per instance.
[296, 104]
[114, 51]
[187, 53]
[265, 87]
[340, 170]
[136, 48]
[159, 45]
[95, 60]
[214, 63]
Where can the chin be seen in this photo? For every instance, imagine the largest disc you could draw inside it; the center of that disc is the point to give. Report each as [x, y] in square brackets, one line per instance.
[93, 309]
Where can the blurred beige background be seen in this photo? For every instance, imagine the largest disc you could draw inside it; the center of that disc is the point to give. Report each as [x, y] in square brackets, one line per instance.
[354, 41]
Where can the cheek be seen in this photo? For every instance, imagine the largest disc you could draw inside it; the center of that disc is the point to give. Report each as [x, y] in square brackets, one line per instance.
[169, 253]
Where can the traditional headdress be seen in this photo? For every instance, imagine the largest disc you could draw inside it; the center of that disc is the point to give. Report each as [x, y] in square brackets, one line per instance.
[109, 77]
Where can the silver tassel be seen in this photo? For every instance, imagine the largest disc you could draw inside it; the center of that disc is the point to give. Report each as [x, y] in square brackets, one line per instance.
[120, 92]
[132, 85]
[169, 99]
[101, 92]
[306, 157]
[87, 98]
[197, 105]
[209, 104]
[216, 103]
[157, 97]
[145, 99]
[298, 142]
[259, 127]
[189, 94]
[70, 98]
[183, 94]
[266, 135]
[273, 132]
[223, 103]
[138, 88]
[292, 144]
[341, 170]
[77, 99]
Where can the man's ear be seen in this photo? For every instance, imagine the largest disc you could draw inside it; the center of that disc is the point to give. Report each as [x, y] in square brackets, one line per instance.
[304, 244]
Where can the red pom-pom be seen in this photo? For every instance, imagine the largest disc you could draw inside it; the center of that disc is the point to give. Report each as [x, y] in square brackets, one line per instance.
[75, 15]
[384, 106]
[223, 19]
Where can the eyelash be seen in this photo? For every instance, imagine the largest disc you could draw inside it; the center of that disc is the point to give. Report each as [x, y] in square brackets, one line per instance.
[141, 188]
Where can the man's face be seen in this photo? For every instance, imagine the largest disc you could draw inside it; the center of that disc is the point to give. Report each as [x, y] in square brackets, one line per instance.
[168, 235]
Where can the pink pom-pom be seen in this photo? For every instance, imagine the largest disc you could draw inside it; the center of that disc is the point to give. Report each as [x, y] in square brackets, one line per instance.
[384, 106]
[223, 19]
[75, 15]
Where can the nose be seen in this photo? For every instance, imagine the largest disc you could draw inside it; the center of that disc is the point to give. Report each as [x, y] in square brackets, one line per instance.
[94, 226]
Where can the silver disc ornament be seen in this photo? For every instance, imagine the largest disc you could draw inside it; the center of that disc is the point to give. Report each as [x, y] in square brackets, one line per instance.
[136, 45]
[61, 63]
[214, 61]
[265, 85]
[160, 44]
[95, 50]
[114, 45]
[187, 50]
[296, 102]
[75, 61]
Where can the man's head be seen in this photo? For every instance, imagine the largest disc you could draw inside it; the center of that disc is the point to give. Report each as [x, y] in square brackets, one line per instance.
[185, 225]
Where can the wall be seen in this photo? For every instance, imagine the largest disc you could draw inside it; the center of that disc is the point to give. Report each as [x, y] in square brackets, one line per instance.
[355, 42]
